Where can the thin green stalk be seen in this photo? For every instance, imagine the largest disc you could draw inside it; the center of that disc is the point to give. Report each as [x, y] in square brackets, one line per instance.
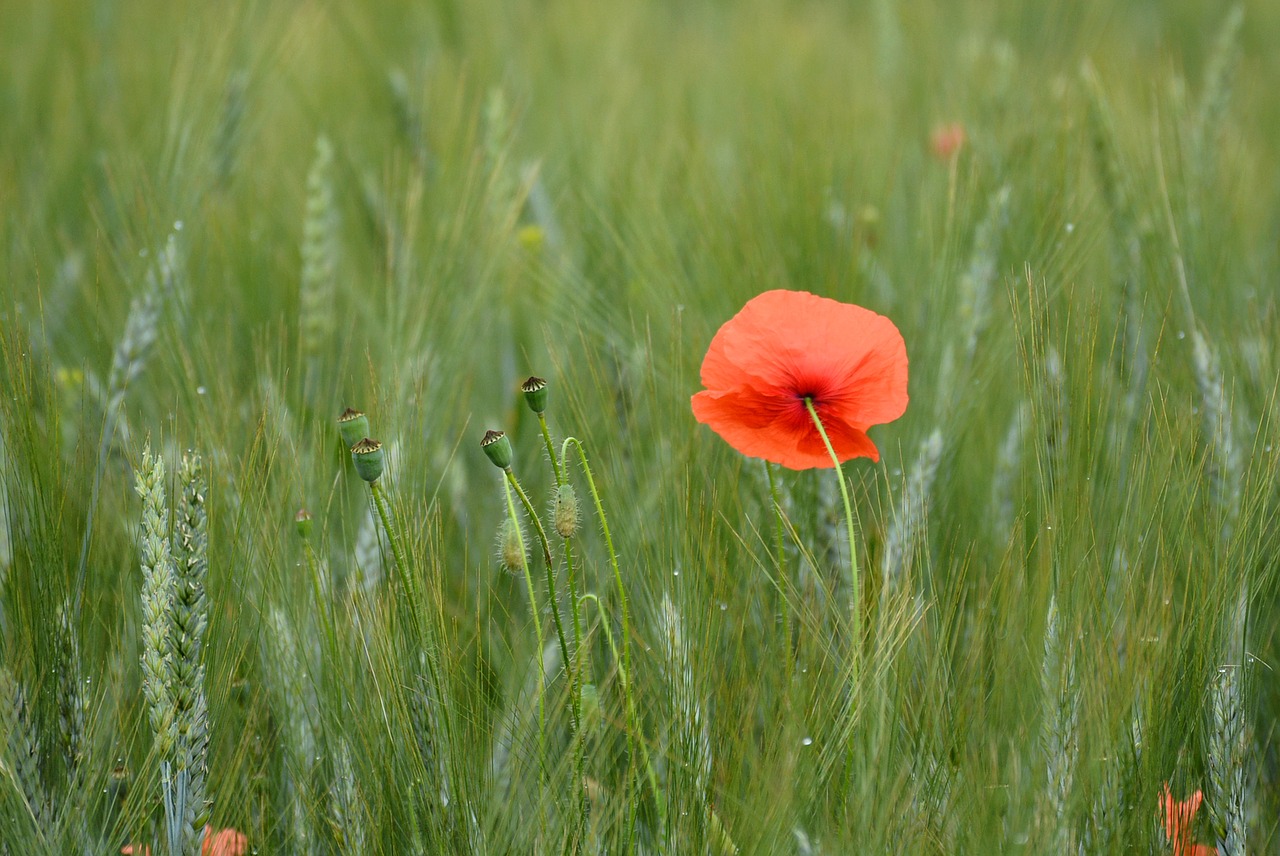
[418, 602]
[569, 656]
[561, 479]
[575, 677]
[856, 596]
[537, 632]
[633, 720]
[649, 770]
[566, 654]
[551, 451]
[384, 513]
[784, 587]
[608, 541]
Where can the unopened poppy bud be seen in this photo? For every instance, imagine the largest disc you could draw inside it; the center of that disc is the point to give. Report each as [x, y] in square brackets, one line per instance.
[511, 548]
[302, 520]
[498, 448]
[354, 427]
[535, 393]
[367, 455]
[564, 511]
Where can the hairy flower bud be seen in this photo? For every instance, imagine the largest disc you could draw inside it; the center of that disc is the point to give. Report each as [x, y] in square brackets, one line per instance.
[511, 547]
[564, 511]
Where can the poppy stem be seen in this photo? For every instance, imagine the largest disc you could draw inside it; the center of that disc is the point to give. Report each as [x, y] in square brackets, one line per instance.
[537, 632]
[856, 596]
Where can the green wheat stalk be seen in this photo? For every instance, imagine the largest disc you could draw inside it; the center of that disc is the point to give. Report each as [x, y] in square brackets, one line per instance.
[317, 283]
[908, 524]
[20, 750]
[1058, 733]
[189, 622]
[132, 351]
[347, 804]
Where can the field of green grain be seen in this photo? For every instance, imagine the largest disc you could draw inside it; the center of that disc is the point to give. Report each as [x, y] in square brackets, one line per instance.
[221, 225]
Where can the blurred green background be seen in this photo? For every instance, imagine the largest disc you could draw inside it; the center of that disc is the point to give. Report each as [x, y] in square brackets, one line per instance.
[586, 191]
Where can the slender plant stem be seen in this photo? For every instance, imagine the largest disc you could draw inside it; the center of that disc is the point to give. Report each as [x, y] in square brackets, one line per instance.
[580, 761]
[784, 583]
[384, 513]
[566, 654]
[649, 770]
[569, 656]
[551, 450]
[537, 632]
[575, 678]
[418, 603]
[856, 595]
[562, 479]
[634, 744]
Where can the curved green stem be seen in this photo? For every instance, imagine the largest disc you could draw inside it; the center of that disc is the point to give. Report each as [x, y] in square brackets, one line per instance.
[551, 450]
[856, 595]
[634, 744]
[537, 633]
[565, 654]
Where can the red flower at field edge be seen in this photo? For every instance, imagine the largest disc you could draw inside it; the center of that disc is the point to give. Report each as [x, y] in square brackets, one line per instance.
[946, 140]
[1176, 816]
[224, 842]
[786, 346]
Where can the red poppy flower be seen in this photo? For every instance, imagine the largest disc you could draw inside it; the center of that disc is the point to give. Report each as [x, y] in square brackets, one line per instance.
[224, 842]
[1176, 816]
[946, 140]
[786, 346]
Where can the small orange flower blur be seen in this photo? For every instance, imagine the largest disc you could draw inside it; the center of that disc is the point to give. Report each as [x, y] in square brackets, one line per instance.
[224, 842]
[786, 346]
[946, 140]
[1176, 817]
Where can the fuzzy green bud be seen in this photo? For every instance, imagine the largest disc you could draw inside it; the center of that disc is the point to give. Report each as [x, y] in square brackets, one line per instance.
[302, 520]
[535, 393]
[353, 426]
[564, 511]
[367, 455]
[511, 547]
[498, 449]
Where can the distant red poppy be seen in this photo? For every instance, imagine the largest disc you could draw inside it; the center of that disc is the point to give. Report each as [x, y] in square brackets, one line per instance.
[786, 346]
[1176, 816]
[224, 842]
[946, 140]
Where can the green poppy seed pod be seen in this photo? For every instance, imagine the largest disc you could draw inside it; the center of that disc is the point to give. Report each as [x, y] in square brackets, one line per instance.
[367, 455]
[511, 548]
[535, 393]
[302, 520]
[498, 448]
[564, 511]
[354, 427]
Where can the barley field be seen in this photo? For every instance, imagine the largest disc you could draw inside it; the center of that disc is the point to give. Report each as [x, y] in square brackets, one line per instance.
[279, 273]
